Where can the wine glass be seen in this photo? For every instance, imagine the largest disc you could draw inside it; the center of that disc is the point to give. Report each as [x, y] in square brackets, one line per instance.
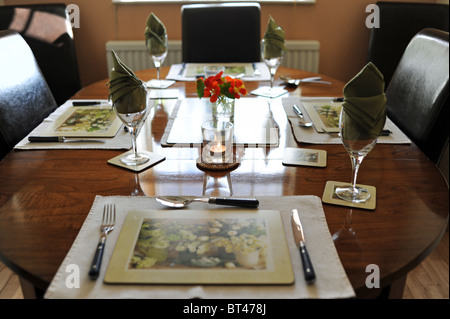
[358, 142]
[158, 52]
[272, 57]
[132, 111]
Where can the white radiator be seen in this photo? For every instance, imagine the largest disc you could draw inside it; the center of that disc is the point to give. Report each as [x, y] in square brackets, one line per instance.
[301, 54]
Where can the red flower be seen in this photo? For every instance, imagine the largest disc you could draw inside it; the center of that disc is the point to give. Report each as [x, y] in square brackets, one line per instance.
[237, 87]
[215, 86]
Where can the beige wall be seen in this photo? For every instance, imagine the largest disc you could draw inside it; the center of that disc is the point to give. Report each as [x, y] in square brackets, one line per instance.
[339, 25]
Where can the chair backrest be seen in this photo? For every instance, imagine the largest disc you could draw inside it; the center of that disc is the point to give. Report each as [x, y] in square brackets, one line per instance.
[225, 32]
[25, 98]
[399, 22]
[417, 97]
[47, 30]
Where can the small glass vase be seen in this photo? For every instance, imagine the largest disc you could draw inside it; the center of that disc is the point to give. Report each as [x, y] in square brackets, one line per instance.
[223, 109]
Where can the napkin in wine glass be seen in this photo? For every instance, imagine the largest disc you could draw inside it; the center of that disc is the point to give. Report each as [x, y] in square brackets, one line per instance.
[155, 31]
[123, 82]
[274, 39]
[365, 100]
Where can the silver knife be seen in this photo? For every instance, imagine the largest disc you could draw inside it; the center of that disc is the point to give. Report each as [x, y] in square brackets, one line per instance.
[297, 229]
[256, 72]
[183, 66]
[60, 139]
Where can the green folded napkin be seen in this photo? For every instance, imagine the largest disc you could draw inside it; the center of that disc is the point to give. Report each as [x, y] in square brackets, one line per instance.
[274, 40]
[124, 83]
[365, 102]
[155, 32]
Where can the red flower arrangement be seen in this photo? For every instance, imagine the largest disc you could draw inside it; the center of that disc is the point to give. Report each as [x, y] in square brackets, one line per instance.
[217, 87]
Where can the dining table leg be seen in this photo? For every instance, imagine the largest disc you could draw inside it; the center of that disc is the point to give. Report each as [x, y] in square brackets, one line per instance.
[30, 291]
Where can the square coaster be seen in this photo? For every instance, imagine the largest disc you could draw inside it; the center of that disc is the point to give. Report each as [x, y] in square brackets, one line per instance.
[304, 157]
[156, 94]
[330, 197]
[159, 84]
[267, 92]
[154, 159]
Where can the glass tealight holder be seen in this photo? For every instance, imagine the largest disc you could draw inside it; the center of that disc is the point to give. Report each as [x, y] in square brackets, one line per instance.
[217, 147]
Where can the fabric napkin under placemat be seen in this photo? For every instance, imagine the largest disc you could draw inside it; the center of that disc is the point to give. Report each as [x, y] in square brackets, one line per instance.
[332, 281]
[122, 140]
[310, 135]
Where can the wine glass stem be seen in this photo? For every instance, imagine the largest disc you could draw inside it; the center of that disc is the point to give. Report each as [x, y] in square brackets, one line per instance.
[157, 66]
[272, 76]
[133, 133]
[356, 163]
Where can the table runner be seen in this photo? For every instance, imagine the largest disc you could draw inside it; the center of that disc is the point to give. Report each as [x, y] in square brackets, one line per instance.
[310, 135]
[122, 139]
[332, 282]
[253, 123]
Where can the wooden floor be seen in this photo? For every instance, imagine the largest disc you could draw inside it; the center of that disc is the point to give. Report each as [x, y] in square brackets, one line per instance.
[429, 280]
[9, 284]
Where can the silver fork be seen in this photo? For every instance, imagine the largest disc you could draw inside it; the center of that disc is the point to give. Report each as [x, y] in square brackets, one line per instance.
[332, 134]
[108, 221]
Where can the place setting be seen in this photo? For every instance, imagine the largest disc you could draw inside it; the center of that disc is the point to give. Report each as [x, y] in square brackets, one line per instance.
[101, 124]
[190, 72]
[79, 124]
[229, 252]
[315, 120]
[129, 97]
[358, 121]
[361, 122]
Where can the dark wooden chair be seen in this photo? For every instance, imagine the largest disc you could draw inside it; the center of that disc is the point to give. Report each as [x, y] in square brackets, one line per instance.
[47, 30]
[417, 97]
[399, 22]
[225, 32]
[25, 98]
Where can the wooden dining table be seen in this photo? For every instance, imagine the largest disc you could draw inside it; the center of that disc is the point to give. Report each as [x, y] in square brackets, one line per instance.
[45, 195]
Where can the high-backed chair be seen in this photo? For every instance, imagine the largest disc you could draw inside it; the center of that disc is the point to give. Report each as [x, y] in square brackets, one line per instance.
[47, 30]
[25, 98]
[417, 97]
[224, 32]
[399, 22]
